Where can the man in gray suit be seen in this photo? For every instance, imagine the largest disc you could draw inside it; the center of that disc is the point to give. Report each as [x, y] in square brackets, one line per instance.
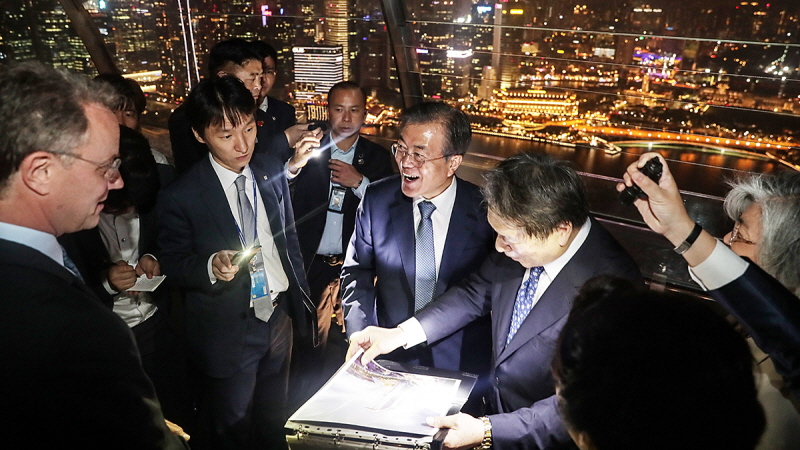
[548, 246]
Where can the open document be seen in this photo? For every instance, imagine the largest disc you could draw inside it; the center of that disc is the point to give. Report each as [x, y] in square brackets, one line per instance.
[372, 396]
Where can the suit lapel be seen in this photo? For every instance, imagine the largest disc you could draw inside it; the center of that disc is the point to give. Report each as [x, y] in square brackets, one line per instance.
[401, 216]
[554, 304]
[503, 304]
[213, 198]
[459, 232]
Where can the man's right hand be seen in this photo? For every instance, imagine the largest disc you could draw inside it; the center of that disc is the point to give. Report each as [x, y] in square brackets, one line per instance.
[375, 341]
[121, 276]
[222, 267]
[304, 149]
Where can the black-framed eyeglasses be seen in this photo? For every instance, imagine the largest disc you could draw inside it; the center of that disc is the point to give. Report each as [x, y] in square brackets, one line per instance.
[110, 170]
[735, 235]
[417, 159]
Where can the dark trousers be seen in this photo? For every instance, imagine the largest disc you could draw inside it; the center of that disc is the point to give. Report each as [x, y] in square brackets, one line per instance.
[248, 410]
[164, 362]
[312, 367]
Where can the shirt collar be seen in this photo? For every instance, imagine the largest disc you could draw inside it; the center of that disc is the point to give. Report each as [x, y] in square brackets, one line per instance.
[335, 148]
[444, 202]
[228, 177]
[554, 267]
[45, 243]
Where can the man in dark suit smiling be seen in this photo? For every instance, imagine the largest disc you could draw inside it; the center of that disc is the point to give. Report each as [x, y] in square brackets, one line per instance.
[238, 310]
[420, 234]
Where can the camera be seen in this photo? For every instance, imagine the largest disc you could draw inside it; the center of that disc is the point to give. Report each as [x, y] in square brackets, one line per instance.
[653, 170]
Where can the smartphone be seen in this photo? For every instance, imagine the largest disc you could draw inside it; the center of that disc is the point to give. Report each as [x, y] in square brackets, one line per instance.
[243, 257]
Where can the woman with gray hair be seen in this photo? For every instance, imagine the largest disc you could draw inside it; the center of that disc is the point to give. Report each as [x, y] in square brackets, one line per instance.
[766, 212]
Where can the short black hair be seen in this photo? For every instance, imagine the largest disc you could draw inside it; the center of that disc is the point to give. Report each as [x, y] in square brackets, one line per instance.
[216, 99]
[139, 173]
[454, 122]
[347, 86]
[263, 50]
[635, 369]
[236, 51]
[537, 193]
[131, 96]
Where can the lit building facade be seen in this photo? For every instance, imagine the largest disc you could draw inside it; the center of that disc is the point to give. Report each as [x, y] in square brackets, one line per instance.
[316, 70]
[529, 103]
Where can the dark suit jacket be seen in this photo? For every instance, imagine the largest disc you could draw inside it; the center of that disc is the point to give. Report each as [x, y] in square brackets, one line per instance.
[70, 375]
[522, 388]
[383, 246]
[187, 150]
[310, 194]
[279, 117]
[771, 315]
[196, 222]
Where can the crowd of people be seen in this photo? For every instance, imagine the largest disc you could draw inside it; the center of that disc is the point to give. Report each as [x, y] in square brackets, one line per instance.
[285, 248]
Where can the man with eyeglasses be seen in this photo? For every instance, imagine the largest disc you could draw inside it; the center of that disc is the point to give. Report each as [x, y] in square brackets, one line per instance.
[70, 374]
[419, 234]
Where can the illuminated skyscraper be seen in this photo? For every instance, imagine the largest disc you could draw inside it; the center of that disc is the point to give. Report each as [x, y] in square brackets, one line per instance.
[336, 30]
[316, 70]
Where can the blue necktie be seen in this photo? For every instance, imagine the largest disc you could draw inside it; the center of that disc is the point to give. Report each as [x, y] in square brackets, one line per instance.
[425, 281]
[70, 265]
[524, 302]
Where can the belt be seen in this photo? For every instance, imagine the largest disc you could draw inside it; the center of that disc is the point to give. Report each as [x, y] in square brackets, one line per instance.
[332, 260]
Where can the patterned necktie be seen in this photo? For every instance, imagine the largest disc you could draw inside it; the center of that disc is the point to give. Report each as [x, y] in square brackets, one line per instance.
[425, 281]
[524, 303]
[70, 265]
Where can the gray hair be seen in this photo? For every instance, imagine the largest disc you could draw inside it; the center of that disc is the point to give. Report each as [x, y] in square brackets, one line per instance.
[778, 196]
[42, 109]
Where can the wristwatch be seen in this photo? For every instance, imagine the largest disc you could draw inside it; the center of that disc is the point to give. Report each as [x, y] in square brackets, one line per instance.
[687, 244]
[486, 443]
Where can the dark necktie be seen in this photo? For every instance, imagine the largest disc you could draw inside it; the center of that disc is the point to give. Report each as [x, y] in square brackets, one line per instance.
[425, 281]
[70, 265]
[524, 302]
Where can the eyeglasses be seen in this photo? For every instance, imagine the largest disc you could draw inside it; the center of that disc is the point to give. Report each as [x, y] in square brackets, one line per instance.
[735, 235]
[417, 159]
[110, 170]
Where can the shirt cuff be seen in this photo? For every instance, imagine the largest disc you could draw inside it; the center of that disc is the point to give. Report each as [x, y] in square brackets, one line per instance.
[359, 191]
[290, 175]
[108, 288]
[211, 276]
[413, 332]
[720, 268]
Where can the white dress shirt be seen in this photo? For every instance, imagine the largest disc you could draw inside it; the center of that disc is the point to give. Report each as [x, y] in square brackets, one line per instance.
[43, 242]
[276, 275]
[721, 267]
[120, 235]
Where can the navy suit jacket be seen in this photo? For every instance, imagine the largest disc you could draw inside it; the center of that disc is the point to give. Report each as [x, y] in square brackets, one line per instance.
[771, 315]
[187, 150]
[310, 194]
[196, 222]
[70, 374]
[523, 392]
[279, 116]
[383, 246]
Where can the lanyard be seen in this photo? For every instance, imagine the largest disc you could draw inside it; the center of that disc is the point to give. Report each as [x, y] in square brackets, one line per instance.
[255, 217]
